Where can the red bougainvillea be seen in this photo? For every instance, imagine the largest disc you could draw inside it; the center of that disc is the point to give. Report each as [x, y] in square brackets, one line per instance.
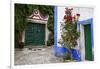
[78, 14]
[74, 17]
[69, 32]
[68, 18]
[68, 15]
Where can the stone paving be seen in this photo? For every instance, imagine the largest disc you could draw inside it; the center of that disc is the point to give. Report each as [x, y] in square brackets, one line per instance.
[36, 56]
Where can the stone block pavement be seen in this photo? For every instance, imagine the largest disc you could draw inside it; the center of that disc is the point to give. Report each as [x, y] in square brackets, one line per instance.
[35, 56]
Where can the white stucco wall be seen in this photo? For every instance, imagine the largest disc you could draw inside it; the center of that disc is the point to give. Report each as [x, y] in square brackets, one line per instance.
[85, 13]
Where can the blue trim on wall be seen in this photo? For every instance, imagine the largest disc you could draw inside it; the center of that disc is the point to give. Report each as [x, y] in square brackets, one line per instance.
[88, 21]
[92, 35]
[55, 27]
[78, 26]
[84, 22]
[58, 51]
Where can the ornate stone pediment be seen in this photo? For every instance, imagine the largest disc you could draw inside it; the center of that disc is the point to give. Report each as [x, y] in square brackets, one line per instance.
[38, 17]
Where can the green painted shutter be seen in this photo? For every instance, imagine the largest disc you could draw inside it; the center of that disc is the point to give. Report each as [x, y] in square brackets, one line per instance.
[35, 34]
[88, 42]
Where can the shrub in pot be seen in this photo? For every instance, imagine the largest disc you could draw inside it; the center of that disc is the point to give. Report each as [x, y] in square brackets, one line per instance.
[21, 45]
[69, 29]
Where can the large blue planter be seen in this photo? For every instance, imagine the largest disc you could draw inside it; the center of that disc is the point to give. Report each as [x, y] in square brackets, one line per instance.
[75, 54]
[60, 51]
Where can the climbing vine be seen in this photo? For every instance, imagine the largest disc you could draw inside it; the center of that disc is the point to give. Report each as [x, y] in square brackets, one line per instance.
[22, 11]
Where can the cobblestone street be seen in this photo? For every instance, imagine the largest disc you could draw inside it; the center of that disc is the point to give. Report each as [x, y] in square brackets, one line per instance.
[36, 56]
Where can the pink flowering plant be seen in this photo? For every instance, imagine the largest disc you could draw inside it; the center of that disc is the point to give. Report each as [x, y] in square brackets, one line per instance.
[69, 30]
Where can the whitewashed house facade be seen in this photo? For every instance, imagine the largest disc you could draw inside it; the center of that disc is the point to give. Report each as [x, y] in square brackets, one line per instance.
[84, 26]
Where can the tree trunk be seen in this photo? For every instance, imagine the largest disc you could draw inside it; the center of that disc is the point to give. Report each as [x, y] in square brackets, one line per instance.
[20, 43]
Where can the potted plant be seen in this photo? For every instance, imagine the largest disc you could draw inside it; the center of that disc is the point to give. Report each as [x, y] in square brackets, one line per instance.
[21, 45]
[69, 29]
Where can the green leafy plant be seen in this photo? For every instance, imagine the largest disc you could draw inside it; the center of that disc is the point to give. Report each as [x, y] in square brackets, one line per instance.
[22, 11]
[66, 56]
[70, 33]
[50, 26]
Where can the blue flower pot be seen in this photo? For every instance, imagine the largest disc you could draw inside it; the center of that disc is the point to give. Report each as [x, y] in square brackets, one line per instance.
[60, 51]
[75, 54]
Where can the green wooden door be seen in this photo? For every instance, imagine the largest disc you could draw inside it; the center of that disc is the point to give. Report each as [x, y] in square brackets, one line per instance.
[88, 42]
[35, 34]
